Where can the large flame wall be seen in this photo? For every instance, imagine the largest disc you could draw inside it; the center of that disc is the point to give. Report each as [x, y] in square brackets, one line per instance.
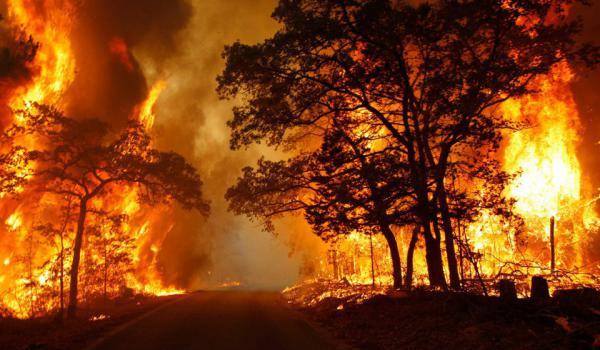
[156, 61]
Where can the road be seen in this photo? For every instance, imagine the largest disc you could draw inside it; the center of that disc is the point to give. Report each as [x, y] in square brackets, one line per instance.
[219, 320]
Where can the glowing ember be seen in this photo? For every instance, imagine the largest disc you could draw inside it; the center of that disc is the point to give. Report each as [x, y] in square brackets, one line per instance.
[100, 317]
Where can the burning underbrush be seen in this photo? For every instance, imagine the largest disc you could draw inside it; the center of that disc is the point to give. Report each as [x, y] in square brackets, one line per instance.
[323, 292]
[373, 318]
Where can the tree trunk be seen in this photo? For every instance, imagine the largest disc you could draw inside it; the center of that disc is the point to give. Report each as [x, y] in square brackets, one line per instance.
[433, 255]
[105, 272]
[76, 257]
[394, 254]
[372, 261]
[62, 275]
[409, 258]
[449, 236]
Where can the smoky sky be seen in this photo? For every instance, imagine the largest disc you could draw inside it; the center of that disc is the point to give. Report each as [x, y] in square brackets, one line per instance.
[104, 87]
[181, 42]
[585, 90]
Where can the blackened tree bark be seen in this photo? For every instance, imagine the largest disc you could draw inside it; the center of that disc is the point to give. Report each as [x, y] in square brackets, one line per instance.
[394, 255]
[73, 283]
[414, 239]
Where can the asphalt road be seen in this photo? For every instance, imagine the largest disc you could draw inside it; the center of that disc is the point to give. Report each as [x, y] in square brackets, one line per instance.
[219, 320]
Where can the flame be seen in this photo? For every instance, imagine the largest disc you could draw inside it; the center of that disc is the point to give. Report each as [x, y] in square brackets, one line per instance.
[548, 186]
[54, 63]
[545, 154]
[146, 114]
[29, 281]
[14, 221]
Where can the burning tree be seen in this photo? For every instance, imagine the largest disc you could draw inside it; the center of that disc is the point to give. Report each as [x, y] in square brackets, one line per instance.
[431, 77]
[82, 162]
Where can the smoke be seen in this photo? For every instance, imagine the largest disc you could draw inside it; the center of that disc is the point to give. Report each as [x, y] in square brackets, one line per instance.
[191, 120]
[123, 47]
[104, 31]
[585, 89]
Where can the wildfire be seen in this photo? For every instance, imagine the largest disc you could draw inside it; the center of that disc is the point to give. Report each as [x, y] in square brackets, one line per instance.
[54, 63]
[146, 111]
[545, 154]
[547, 190]
[14, 221]
[28, 282]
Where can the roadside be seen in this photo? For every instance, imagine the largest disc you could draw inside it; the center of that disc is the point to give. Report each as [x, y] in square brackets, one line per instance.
[92, 323]
[368, 319]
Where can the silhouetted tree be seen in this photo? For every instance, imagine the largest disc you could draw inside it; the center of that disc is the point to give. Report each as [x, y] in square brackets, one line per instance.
[113, 247]
[351, 183]
[431, 75]
[81, 160]
[57, 235]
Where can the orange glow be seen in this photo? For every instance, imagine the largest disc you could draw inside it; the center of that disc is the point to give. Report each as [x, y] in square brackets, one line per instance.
[548, 184]
[29, 278]
[118, 47]
[146, 114]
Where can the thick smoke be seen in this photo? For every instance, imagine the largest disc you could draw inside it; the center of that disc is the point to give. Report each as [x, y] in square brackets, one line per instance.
[103, 32]
[586, 96]
[192, 120]
[122, 48]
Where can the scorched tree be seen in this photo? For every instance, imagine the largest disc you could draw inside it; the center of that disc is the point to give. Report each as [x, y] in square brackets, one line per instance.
[82, 161]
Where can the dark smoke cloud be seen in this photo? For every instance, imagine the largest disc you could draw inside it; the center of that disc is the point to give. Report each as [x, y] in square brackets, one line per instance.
[105, 87]
[585, 89]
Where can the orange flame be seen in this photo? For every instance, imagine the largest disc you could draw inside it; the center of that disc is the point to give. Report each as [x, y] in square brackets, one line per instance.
[27, 280]
[146, 110]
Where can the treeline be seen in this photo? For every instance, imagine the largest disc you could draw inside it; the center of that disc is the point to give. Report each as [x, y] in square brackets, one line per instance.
[384, 105]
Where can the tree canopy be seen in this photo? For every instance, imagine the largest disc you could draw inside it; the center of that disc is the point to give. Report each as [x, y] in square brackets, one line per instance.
[428, 79]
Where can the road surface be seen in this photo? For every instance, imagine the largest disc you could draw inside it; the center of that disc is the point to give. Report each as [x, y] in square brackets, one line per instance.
[219, 320]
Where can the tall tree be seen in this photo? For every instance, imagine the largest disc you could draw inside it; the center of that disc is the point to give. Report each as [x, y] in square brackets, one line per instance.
[351, 183]
[431, 75]
[58, 236]
[82, 161]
